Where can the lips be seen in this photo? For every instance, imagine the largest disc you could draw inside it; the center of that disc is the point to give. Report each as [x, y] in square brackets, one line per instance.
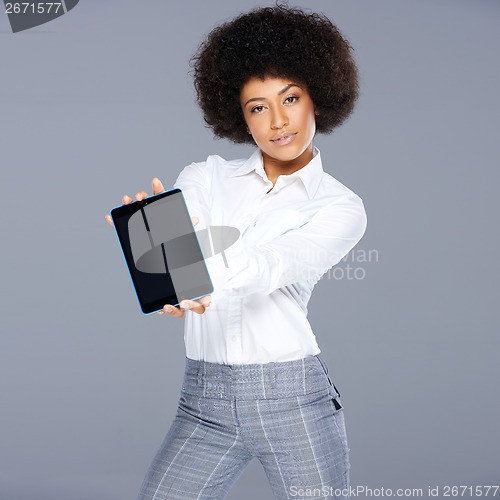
[284, 139]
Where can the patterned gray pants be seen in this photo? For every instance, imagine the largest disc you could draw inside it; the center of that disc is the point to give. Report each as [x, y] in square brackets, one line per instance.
[287, 415]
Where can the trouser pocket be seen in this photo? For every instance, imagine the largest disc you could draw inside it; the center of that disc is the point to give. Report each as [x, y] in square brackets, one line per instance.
[335, 394]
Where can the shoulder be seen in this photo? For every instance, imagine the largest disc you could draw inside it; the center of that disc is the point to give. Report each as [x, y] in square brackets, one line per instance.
[214, 171]
[339, 199]
[214, 163]
[323, 185]
[332, 187]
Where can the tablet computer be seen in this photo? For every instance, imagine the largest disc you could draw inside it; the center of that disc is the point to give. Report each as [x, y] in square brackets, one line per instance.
[161, 250]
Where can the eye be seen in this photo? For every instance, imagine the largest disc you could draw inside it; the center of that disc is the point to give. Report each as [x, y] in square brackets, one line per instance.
[294, 97]
[257, 109]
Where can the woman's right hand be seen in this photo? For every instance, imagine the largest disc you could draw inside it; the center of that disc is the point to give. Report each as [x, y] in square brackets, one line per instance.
[198, 305]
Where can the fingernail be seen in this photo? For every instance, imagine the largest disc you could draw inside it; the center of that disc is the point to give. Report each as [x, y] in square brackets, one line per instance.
[185, 305]
[168, 308]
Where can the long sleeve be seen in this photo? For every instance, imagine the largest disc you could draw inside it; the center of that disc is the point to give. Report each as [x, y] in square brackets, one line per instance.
[287, 239]
[305, 253]
[193, 181]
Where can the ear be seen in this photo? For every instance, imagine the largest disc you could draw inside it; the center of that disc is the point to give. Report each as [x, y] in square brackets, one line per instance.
[316, 112]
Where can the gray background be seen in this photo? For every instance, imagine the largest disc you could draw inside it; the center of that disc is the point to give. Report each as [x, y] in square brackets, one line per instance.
[98, 102]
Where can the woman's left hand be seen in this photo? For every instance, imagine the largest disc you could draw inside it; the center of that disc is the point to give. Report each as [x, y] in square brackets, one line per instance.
[197, 306]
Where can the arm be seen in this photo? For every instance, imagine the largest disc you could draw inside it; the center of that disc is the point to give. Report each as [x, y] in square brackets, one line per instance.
[301, 254]
[194, 181]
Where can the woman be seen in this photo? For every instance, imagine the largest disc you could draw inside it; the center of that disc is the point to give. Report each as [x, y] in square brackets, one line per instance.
[254, 385]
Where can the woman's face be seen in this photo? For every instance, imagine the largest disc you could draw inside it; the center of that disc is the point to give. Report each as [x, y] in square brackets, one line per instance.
[280, 115]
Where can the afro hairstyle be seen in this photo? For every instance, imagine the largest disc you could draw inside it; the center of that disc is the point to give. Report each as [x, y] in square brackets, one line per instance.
[278, 42]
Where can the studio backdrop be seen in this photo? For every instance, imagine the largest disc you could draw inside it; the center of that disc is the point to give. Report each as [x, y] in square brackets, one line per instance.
[98, 100]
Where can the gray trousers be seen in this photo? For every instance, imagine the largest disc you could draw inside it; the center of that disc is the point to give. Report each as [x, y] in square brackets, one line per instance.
[287, 415]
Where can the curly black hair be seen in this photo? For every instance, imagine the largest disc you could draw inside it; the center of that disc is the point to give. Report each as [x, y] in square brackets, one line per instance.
[279, 42]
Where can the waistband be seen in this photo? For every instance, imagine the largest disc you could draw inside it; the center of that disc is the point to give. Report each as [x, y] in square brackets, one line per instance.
[257, 381]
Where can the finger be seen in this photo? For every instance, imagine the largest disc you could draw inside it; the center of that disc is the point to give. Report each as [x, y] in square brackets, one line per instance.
[157, 186]
[141, 195]
[127, 199]
[173, 311]
[192, 305]
[195, 220]
[109, 219]
[205, 301]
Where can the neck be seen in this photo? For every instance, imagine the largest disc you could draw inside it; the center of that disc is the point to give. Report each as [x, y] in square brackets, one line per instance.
[274, 167]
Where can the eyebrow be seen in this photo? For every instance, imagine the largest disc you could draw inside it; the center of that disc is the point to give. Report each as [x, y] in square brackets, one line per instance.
[282, 91]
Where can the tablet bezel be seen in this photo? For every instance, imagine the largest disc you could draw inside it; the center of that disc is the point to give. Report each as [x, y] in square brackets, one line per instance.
[154, 306]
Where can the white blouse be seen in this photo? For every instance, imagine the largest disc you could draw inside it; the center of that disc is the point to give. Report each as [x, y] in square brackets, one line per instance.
[289, 237]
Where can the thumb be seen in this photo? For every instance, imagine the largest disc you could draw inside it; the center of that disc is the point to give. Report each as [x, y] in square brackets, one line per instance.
[157, 186]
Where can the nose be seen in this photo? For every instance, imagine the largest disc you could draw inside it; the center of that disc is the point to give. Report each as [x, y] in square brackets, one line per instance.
[279, 118]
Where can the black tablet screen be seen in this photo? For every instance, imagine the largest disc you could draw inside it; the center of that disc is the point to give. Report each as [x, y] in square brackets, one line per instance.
[161, 250]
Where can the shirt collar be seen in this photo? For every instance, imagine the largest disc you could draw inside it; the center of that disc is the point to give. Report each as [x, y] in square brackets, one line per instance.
[310, 175]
